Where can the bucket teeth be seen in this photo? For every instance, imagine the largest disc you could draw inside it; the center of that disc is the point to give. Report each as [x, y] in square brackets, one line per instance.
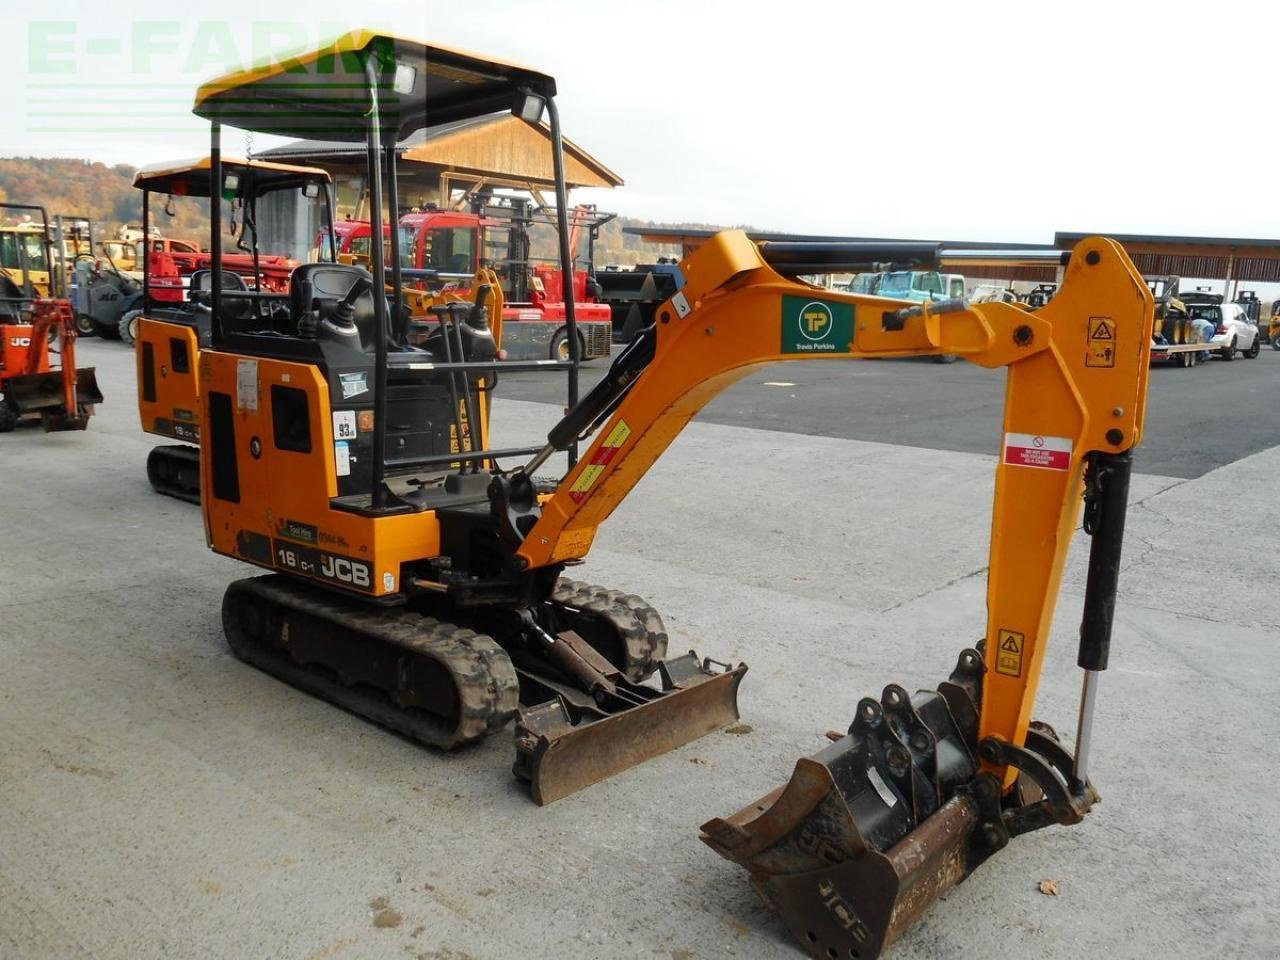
[871, 830]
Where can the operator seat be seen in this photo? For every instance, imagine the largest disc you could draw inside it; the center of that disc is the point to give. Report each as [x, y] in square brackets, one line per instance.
[232, 309]
[316, 289]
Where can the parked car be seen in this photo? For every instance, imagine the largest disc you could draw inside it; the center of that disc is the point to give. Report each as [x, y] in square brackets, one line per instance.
[917, 285]
[1234, 332]
[922, 286]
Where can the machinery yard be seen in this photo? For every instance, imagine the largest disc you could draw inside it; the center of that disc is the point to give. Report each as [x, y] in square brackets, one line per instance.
[405, 555]
[160, 799]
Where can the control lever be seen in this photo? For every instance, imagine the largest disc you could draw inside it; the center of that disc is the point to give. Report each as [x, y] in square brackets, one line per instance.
[345, 312]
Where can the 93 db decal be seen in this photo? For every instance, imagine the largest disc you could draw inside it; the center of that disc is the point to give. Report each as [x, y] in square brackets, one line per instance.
[608, 450]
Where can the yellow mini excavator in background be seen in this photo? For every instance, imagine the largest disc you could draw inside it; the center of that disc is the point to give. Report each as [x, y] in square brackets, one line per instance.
[418, 582]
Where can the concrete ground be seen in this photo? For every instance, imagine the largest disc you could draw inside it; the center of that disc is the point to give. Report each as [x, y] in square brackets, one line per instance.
[158, 799]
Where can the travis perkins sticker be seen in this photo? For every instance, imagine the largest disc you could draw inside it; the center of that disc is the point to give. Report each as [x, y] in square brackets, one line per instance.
[816, 326]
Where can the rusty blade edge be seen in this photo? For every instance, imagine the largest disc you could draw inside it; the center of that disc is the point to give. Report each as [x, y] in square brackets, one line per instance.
[595, 751]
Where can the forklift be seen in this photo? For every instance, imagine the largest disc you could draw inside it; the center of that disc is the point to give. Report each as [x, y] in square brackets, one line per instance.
[417, 573]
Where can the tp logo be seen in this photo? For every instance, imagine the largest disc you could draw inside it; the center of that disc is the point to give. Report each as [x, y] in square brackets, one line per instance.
[816, 326]
[815, 321]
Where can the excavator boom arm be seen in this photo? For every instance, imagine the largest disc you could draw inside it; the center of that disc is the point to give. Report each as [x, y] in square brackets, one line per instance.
[1077, 379]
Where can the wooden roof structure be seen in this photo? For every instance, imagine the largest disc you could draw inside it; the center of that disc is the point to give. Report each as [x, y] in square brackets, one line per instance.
[497, 150]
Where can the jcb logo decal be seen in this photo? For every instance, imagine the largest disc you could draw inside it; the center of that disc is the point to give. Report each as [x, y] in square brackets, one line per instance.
[19, 341]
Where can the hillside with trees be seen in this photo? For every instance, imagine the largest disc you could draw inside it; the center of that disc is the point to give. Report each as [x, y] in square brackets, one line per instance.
[85, 188]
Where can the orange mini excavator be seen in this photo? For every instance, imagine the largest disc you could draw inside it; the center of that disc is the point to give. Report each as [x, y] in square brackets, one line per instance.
[32, 327]
[282, 210]
[416, 572]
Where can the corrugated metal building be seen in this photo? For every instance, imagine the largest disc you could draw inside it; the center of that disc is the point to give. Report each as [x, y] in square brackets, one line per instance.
[1231, 260]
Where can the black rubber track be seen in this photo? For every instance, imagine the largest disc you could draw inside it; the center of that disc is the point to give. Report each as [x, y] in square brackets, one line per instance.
[430, 680]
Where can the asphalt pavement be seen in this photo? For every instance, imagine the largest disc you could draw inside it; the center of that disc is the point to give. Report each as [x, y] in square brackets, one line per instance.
[160, 799]
[1198, 419]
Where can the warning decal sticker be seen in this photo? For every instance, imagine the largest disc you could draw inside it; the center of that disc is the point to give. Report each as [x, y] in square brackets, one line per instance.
[247, 385]
[1035, 450]
[608, 449]
[1009, 649]
[1101, 351]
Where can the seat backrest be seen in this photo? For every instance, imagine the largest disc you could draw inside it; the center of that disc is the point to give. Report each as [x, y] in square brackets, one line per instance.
[232, 309]
[202, 281]
[315, 289]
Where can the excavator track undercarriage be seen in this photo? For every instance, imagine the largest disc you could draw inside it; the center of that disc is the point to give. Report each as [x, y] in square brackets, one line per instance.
[174, 470]
[581, 707]
[624, 627]
[435, 682]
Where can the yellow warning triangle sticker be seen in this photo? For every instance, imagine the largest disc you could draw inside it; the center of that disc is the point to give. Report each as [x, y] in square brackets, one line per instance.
[1101, 329]
[1010, 644]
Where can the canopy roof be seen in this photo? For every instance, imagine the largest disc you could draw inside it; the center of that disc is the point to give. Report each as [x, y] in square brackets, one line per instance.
[190, 178]
[323, 94]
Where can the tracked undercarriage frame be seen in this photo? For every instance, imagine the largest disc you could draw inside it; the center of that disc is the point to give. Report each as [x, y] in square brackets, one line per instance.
[174, 470]
[444, 683]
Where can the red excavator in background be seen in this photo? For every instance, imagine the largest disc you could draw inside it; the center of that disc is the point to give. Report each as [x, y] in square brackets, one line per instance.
[31, 328]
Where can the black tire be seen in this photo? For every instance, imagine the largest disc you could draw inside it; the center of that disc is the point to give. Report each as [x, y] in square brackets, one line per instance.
[946, 358]
[128, 327]
[84, 325]
[1229, 351]
[8, 417]
[560, 347]
[1252, 352]
[105, 331]
[1275, 342]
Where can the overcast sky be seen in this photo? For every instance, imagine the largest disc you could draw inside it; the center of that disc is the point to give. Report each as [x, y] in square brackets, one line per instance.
[982, 120]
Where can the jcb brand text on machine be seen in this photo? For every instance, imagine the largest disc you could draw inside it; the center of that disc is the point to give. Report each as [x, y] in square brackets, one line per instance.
[344, 571]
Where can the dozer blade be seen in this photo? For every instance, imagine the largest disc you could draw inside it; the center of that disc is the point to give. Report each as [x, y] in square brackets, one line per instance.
[45, 394]
[872, 830]
[565, 744]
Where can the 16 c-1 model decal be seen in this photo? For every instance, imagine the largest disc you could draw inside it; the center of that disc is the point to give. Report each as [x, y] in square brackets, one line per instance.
[344, 571]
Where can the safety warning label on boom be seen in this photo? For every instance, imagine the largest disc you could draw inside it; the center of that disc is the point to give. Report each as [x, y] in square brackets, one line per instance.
[1009, 648]
[1101, 351]
[609, 447]
[1037, 450]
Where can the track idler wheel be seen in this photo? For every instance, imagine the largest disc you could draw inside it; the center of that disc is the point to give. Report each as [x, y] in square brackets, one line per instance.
[873, 829]
[624, 628]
